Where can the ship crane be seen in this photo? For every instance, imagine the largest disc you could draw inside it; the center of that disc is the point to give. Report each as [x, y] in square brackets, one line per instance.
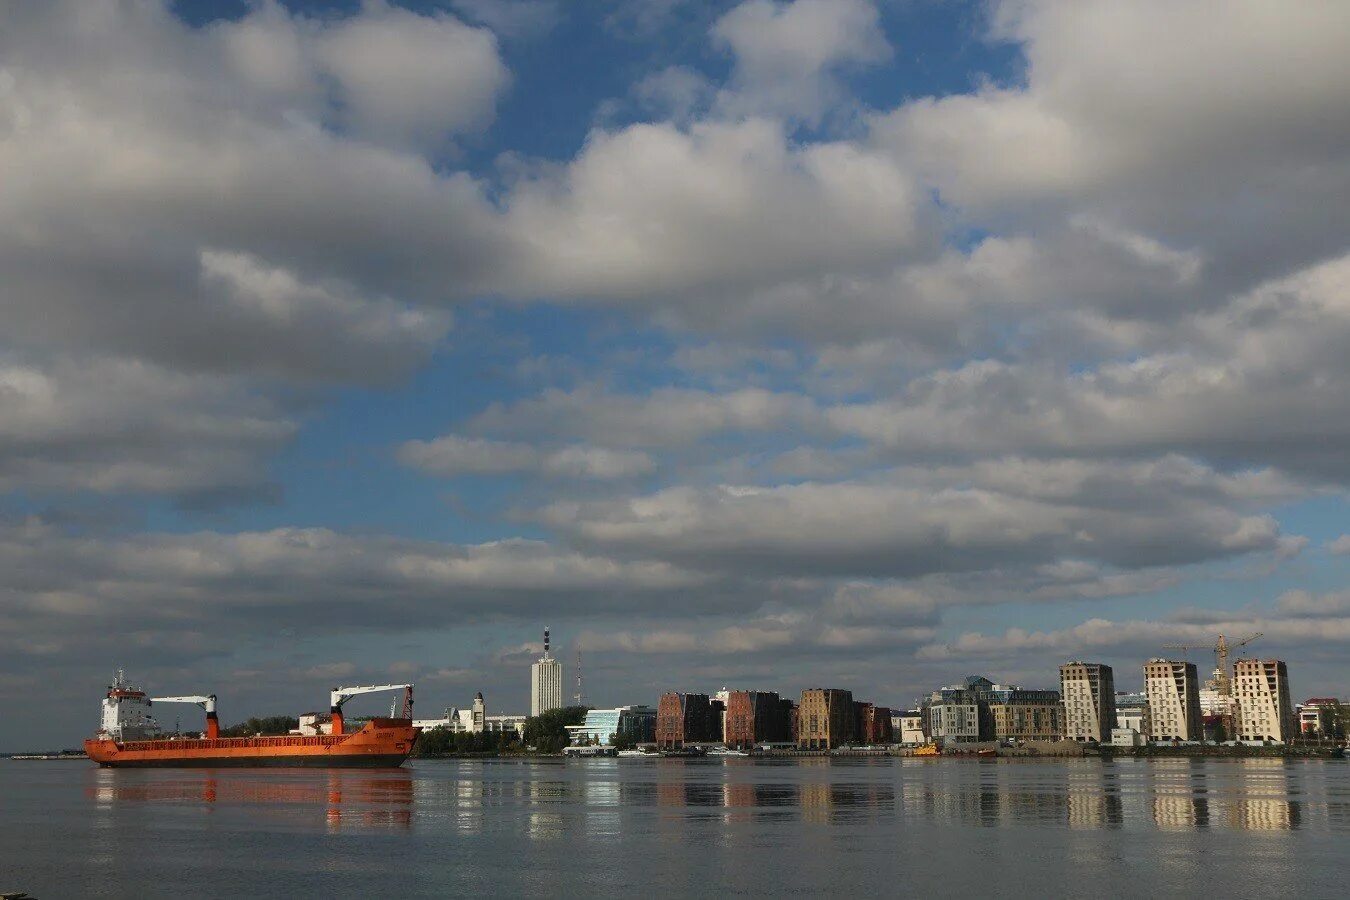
[341, 695]
[1223, 679]
[206, 703]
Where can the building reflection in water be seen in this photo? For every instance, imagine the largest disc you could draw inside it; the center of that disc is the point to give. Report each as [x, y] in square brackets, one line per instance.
[1093, 799]
[1264, 803]
[1179, 810]
[545, 821]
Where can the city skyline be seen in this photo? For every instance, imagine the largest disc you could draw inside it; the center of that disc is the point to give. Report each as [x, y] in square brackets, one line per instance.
[352, 340]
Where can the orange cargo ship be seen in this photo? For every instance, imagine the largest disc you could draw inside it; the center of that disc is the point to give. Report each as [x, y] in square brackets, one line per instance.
[130, 737]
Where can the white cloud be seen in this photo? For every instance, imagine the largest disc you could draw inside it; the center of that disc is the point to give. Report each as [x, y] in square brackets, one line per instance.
[115, 425]
[526, 19]
[788, 54]
[1339, 546]
[918, 522]
[1256, 382]
[412, 79]
[653, 210]
[453, 455]
[663, 417]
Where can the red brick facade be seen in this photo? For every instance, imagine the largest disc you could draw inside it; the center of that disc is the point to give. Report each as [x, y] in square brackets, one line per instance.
[755, 717]
[685, 719]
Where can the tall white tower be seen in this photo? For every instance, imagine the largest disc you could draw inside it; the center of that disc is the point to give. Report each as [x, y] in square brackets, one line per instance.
[545, 682]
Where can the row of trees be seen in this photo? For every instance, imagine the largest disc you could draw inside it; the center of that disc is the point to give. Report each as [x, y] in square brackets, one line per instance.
[267, 725]
[545, 733]
[443, 742]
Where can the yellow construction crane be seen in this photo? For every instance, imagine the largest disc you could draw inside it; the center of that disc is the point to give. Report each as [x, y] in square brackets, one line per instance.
[1223, 676]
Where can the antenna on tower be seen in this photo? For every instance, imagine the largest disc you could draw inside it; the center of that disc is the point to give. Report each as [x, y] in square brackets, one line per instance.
[546, 656]
[580, 695]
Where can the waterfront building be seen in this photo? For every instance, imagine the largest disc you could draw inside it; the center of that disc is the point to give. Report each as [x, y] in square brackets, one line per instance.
[1318, 717]
[981, 710]
[1087, 691]
[1089, 696]
[1127, 737]
[755, 717]
[685, 719]
[546, 679]
[952, 716]
[474, 720]
[907, 726]
[1265, 713]
[1218, 712]
[1173, 689]
[872, 723]
[1016, 713]
[1133, 714]
[601, 726]
[825, 719]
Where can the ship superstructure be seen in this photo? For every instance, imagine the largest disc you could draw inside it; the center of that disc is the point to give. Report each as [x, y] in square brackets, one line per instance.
[127, 712]
[129, 736]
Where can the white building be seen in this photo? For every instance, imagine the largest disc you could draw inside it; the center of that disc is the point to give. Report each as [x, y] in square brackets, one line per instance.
[1265, 712]
[1173, 690]
[312, 724]
[1088, 691]
[953, 716]
[1126, 737]
[474, 720]
[1132, 714]
[546, 680]
[907, 727]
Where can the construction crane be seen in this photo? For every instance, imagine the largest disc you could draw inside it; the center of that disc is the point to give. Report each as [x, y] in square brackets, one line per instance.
[207, 703]
[341, 695]
[1223, 678]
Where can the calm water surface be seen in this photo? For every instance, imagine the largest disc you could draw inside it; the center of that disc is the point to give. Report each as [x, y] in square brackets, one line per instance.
[608, 828]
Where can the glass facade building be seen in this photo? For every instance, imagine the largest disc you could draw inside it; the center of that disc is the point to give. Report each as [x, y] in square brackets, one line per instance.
[637, 723]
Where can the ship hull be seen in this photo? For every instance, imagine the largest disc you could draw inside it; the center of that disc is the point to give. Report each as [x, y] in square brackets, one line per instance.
[382, 743]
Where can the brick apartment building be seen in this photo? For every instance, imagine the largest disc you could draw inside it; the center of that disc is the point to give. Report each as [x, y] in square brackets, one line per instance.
[686, 719]
[756, 717]
[825, 719]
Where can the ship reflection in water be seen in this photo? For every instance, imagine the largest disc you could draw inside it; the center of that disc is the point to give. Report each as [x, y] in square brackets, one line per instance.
[368, 799]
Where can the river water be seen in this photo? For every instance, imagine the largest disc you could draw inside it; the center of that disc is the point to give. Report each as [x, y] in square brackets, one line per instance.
[634, 828]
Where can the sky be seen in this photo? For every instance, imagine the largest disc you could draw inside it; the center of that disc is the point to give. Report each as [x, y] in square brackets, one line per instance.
[855, 343]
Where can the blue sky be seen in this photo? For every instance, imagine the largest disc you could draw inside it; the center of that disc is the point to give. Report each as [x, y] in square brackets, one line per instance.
[770, 344]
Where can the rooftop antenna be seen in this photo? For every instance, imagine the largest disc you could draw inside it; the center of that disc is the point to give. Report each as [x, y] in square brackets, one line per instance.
[546, 656]
[577, 698]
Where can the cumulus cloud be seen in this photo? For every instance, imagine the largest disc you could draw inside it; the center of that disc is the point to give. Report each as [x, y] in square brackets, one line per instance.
[316, 580]
[1174, 146]
[917, 523]
[1073, 337]
[109, 425]
[788, 55]
[525, 19]
[409, 78]
[453, 456]
[1250, 387]
[662, 417]
[1138, 639]
[652, 210]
